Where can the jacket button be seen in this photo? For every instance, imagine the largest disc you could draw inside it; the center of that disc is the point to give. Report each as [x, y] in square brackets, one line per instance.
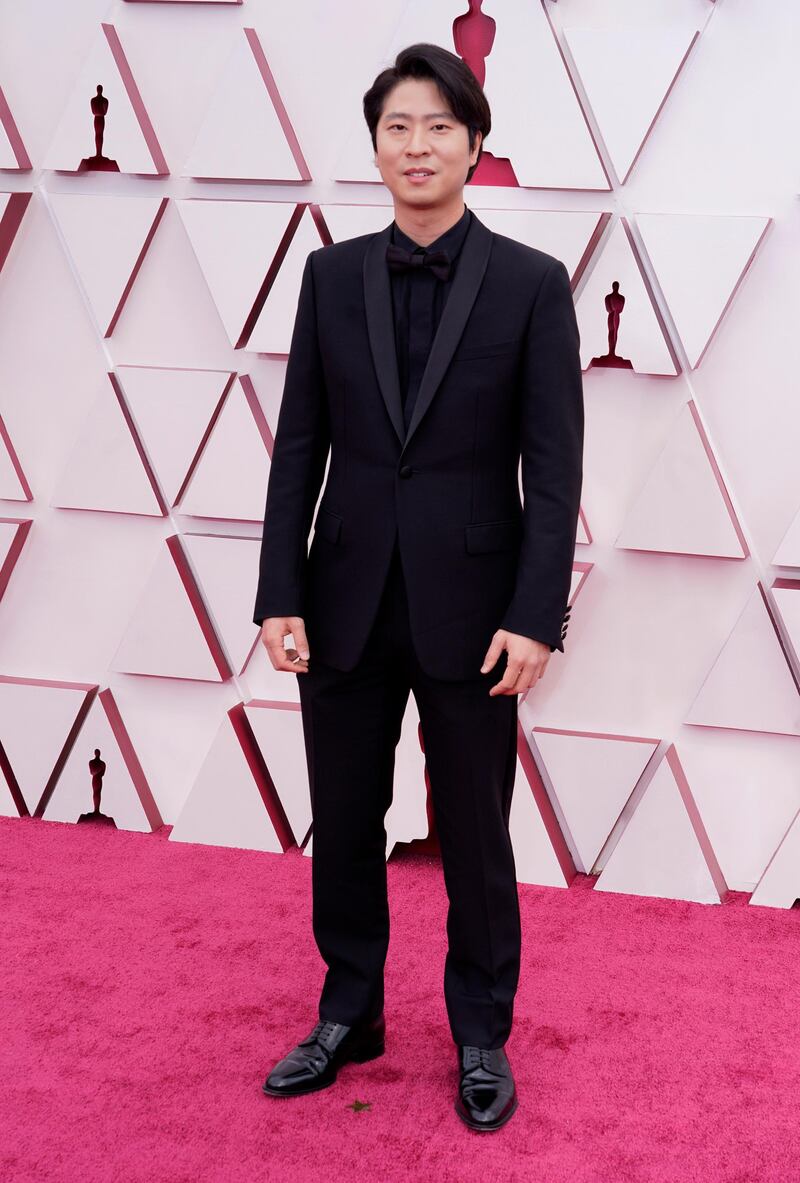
[405, 471]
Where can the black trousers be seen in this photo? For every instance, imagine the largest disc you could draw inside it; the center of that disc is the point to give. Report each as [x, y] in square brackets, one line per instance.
[351, 724]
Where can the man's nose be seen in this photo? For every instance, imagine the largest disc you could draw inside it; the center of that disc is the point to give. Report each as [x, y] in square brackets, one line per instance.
[418, 142]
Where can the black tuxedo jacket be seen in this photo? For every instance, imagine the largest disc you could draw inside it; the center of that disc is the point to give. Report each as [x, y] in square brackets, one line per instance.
[503, 382]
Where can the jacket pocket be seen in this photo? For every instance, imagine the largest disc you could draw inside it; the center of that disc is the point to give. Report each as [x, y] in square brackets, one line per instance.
[328, 525]
[488, 536]
[490, 349]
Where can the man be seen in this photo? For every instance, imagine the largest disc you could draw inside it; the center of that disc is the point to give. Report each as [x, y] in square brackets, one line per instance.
[427, 359]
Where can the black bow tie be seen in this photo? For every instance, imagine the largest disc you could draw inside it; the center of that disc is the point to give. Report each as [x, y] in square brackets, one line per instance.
[401, 260]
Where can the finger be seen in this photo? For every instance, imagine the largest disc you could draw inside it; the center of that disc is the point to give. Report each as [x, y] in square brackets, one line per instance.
[281, 658]
[301, 641]
[528, 676]
[492, 654]
[508, 681]
[296, 663]
[534, 680]
[524, 679]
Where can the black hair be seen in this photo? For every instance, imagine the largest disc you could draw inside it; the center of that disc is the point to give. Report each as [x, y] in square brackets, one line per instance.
[454, 79]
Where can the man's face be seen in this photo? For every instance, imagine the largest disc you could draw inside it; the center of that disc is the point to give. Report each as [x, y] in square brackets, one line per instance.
[417, 131]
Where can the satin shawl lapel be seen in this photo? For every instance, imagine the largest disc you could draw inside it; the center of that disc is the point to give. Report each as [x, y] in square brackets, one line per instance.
[472, 261]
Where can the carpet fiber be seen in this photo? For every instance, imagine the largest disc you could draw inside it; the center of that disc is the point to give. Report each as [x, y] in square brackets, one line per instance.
[148, 987]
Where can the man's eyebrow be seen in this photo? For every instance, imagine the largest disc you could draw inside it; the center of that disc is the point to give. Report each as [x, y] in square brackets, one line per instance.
[433, 115]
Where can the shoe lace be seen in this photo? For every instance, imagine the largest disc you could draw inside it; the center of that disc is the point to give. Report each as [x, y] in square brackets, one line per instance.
[323, 1029]
[475, 1056]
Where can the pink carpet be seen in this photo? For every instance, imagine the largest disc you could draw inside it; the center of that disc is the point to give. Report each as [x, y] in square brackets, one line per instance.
[148, 987]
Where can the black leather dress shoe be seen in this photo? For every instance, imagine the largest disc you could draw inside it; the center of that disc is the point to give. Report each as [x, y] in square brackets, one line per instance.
[314, 1063]
[486, 1094]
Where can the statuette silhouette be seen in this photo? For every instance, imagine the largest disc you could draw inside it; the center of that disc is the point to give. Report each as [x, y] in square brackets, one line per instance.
[615, 302]
[97, 768]
[473, 38]
[98, 162]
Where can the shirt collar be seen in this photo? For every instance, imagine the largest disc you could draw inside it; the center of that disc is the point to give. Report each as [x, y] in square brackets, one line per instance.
[451, 240]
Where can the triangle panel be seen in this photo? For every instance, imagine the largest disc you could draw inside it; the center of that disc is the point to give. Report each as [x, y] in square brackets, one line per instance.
[641, 340]
[236, 243]
[627, 74]
[231, 475]
[225, 806]
[779, 886]
[664, 850]
[104, 469]
[278, 730]
[750, 686]
[52, 711]
[169, 634]
[700, 260]
[684, 507]
[173, 411]
[592, 777]
[272, 332]
[129, 143]
[226, 570]
[246, 132]
[107, 239]
[125, 794]
[541, 854]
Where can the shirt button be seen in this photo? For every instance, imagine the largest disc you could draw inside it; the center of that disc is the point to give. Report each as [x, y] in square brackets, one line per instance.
[406, 471]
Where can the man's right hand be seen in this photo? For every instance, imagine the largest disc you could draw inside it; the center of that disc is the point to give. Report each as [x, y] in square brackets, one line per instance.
[273, 630]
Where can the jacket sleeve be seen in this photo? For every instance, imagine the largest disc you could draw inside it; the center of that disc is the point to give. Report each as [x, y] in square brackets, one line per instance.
[299, 456]
[551, 445]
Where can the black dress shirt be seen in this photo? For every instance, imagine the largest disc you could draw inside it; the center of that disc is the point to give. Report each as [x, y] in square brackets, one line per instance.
[418, 297]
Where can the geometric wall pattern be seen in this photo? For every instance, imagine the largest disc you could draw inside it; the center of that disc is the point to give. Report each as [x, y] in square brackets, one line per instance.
[615, 63]
[154, 226]
[664, 849]
[265, 146]
[132, 146]
[751, 684]
[700, 260]
[107, 239]
[684, 507]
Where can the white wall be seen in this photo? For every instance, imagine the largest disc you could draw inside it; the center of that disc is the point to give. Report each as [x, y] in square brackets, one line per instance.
[647, 627]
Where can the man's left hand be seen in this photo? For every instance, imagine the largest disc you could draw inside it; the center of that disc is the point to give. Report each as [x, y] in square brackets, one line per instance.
[527, 661]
